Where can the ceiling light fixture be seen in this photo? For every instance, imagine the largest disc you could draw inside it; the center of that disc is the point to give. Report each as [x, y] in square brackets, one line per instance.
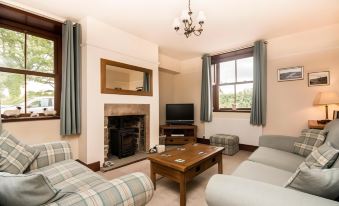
[186, 18]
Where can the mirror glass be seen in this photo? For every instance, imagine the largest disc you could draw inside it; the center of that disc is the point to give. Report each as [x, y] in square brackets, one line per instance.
[125, 79]
[121, 78]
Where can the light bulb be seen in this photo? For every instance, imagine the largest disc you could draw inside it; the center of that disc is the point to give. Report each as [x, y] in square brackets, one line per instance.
[201, 17]
[176, 24]
[184, 15]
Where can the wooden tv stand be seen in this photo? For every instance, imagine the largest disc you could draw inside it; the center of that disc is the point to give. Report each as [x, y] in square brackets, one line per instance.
[189, 133]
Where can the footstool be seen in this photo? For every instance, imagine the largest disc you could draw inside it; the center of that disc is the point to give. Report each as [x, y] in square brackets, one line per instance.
[229, 142]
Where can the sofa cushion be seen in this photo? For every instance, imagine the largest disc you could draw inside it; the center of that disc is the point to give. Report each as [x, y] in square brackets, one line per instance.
[320, 182]
[15, 156]
[26, 189]
[50, 153]
[81, 182]
[322, 157]
[61, 171]
[277, 158]
[311, 139]
[260, 172]
[333, 133]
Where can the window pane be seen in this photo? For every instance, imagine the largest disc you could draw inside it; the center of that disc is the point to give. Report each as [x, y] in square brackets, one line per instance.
[245, 69]
[40, 54]
[12, 53]
[226, 96]
[244, 95]
[40, 93]
[227, 72]
[12, 91]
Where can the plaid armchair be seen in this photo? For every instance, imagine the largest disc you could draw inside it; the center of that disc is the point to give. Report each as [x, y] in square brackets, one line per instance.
[84, 187]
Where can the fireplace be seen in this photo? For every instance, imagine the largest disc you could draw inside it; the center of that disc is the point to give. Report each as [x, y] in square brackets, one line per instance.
[130, 123]
[126, 135]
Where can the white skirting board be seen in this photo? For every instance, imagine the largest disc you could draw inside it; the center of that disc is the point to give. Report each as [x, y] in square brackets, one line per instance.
[248, 134]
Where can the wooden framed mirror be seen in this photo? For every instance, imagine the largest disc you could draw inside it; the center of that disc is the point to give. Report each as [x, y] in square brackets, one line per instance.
[120, 78]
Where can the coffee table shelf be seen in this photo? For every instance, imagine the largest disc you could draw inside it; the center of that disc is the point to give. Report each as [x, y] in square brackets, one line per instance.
[198, 158]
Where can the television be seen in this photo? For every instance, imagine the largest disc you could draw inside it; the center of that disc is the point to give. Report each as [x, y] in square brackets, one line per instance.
[179, 113]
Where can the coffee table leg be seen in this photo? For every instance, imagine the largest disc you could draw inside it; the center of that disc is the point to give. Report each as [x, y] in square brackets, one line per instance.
[153, 177]
[220, 169]
[183, 191]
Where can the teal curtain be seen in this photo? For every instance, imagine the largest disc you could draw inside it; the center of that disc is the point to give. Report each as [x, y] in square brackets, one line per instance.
[259, 98]
[206, 90]
[0, 117]
[146, 82]
[70, 85]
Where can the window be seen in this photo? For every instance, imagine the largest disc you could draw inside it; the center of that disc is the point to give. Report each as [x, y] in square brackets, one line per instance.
[233, 81]
[29, 67]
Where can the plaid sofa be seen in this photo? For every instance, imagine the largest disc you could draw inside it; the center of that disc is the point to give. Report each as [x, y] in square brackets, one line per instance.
[82, 186]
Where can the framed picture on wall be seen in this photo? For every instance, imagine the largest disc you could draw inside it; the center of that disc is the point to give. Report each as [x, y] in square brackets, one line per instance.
[291, 73]
[319, 78]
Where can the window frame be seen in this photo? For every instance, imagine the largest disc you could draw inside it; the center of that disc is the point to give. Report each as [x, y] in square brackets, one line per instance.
[216, 61]
[30, 30]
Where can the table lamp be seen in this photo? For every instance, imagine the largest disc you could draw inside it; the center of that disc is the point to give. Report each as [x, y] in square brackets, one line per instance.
[326, 98]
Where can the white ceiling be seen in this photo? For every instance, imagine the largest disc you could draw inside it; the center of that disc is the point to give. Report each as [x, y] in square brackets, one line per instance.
[229, 24]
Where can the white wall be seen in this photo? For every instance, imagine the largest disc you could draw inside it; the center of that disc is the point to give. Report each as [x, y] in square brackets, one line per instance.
[103, 41]
[166, 93]
[187, 88]
[290, 104]
[169, 63]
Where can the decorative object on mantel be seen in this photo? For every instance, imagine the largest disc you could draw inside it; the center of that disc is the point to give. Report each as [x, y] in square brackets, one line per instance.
[291, 73]
[12, 112]
[319, 78]
[139, 89]
[186, 18]
[326, 98]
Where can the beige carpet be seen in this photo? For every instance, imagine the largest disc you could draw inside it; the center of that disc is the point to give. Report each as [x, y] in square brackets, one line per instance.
[167, 193]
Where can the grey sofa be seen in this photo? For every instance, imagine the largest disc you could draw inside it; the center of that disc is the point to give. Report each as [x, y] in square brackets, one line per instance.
[259, 180]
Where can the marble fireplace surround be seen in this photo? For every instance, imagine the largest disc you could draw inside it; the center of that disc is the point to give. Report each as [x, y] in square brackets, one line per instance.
[122, 110]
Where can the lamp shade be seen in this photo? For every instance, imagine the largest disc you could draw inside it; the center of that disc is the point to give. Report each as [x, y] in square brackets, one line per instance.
[324, 98]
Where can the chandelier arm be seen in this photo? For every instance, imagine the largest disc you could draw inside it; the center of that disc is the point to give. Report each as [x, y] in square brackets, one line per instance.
[186, 25]
[190, 21]
[197, 32]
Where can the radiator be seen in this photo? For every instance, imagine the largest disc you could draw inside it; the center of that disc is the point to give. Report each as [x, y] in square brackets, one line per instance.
[248, 134]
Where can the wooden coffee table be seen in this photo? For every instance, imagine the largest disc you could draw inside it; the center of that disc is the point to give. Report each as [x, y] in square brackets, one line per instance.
[198, 158]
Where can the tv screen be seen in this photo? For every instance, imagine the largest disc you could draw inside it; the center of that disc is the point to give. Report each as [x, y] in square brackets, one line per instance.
[179, 113]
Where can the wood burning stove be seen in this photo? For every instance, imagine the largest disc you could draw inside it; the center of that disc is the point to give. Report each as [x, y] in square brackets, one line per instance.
[123, 142]
[125, 133]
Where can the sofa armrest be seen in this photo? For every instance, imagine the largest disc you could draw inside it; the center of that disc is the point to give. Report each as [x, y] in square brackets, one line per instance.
[279, 142]
[134, 189]
[50, 153]
[224, 190]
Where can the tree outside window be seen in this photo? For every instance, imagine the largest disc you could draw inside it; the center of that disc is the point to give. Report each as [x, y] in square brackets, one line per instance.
[27, 71]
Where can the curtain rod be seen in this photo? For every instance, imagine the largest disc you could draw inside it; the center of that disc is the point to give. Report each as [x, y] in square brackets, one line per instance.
[234, 49]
